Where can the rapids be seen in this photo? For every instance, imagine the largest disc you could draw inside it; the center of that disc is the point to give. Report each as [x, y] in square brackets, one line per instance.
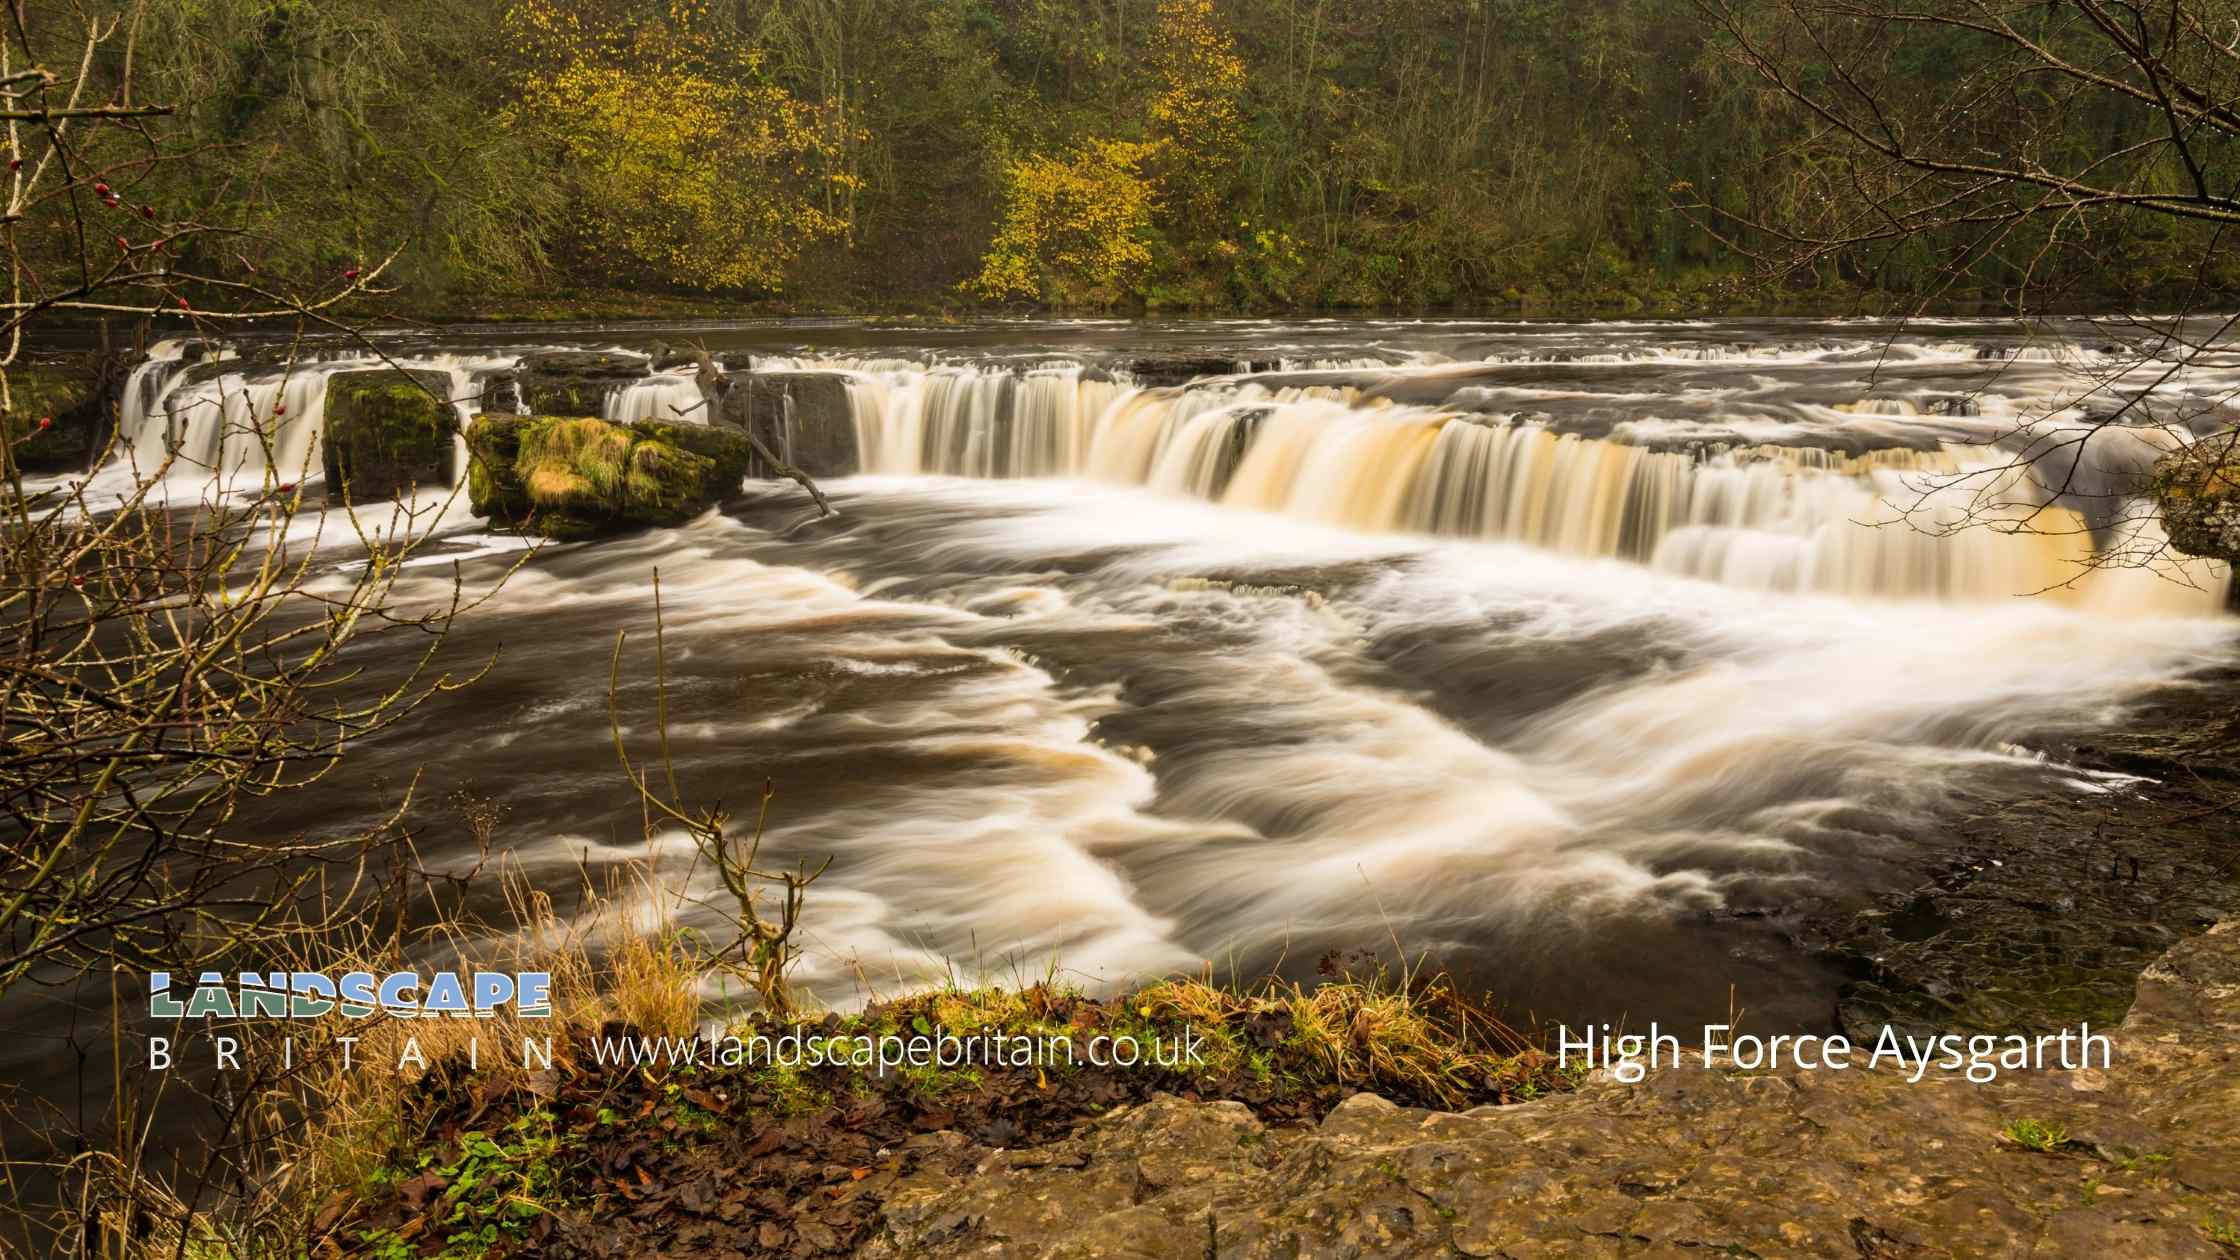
[1582, 658]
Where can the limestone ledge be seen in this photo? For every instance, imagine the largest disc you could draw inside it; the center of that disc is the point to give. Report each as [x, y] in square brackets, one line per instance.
[1688, 1163]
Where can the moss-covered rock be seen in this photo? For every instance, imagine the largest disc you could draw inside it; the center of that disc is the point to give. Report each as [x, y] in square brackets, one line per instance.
[664, 484]
[387, 430]
[729, 454]
[58, 416]
[574, 465]
[575, 382]
[494, 486]
[2198, 490]
[569, 477]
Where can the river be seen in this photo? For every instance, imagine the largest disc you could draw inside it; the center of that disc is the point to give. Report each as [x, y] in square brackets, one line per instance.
[1585, 659]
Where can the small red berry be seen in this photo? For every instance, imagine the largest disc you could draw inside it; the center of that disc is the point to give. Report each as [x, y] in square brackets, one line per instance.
[286, 487]
[15, 164]
[148, 212]
[183, 305]
[100, 189]
[46, 422]
[351, 274]
[77, 581]
[123, 246]
[279, 409]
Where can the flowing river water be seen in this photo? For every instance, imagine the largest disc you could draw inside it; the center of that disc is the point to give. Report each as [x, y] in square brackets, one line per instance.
[1581, 658]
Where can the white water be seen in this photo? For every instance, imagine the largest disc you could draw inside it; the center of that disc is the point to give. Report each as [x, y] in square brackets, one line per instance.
[1277, 772]
[238, 432]
[1123, 679]
[1948, 522]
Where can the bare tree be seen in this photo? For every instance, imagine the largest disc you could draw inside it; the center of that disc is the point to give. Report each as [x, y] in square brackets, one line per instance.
[159, 663]
[2052, 137]
[175, 641]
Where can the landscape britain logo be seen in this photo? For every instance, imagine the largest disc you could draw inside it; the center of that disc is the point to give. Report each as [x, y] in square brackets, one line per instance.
[236, 1005]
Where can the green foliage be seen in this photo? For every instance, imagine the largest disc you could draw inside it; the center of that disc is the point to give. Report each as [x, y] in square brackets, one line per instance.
[690, 166]
[1597, 157]
[491, 1193]
[2036, 1135]
[1074, 228]
[44, 423]
[341, 131]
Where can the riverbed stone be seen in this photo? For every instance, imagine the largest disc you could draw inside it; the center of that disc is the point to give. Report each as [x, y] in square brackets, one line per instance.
[571, 477]
[805, 418]
[1689, 1162]
[386, 431]
[75, 401]
[2198, 490]
[575, 382]
[494, 488]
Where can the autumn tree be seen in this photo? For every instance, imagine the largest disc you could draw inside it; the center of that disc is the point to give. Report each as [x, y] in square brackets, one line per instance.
[1074, 228]
[2072, 134]
[1196, 117]
[683, 158]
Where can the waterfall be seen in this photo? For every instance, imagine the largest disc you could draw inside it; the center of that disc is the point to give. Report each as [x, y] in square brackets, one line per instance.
[235, 426]
[668, 396]
[972, 421]
[1782, 518]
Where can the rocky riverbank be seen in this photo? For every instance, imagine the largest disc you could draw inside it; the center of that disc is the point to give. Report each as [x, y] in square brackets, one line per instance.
[2139, 1160]
[2042, 910]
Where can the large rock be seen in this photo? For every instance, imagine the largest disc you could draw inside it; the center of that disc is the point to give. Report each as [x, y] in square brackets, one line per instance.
[1181, 369]
[2198, 490]
[580, 477]
[494, 488]
[574, 382]
[387, 430]
[805, 418]
[2138, 1160]
[60, 415]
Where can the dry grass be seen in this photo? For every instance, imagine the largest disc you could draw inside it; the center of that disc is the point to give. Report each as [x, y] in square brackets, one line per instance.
[334, 1119]
[1376, 1030]
[574, 464]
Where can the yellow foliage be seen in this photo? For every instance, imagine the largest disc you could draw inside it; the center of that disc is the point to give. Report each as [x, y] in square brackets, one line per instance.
[703, 175]
[1071, 225]
[1196, 116]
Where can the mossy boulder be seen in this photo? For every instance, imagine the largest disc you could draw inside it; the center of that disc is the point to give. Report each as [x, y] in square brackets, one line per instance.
[578, 477]
[575, 382]
[730, 456]
[494, 486]
[387, 430]
[59, 415]
[2198, 490]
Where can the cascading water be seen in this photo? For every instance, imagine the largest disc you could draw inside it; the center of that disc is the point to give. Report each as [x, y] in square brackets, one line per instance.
[232, 429]
[1403, 639]
[1892, 522]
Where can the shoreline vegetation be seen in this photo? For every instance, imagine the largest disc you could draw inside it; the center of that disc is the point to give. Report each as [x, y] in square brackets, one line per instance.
[1140, 156]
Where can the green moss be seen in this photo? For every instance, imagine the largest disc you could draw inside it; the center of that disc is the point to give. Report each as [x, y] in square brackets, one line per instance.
[575, 477]
[727, 451]
[494, 486]
[574, 465]
[386, 430]
[2036, 1135]
[663, 484]
[62, 396]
